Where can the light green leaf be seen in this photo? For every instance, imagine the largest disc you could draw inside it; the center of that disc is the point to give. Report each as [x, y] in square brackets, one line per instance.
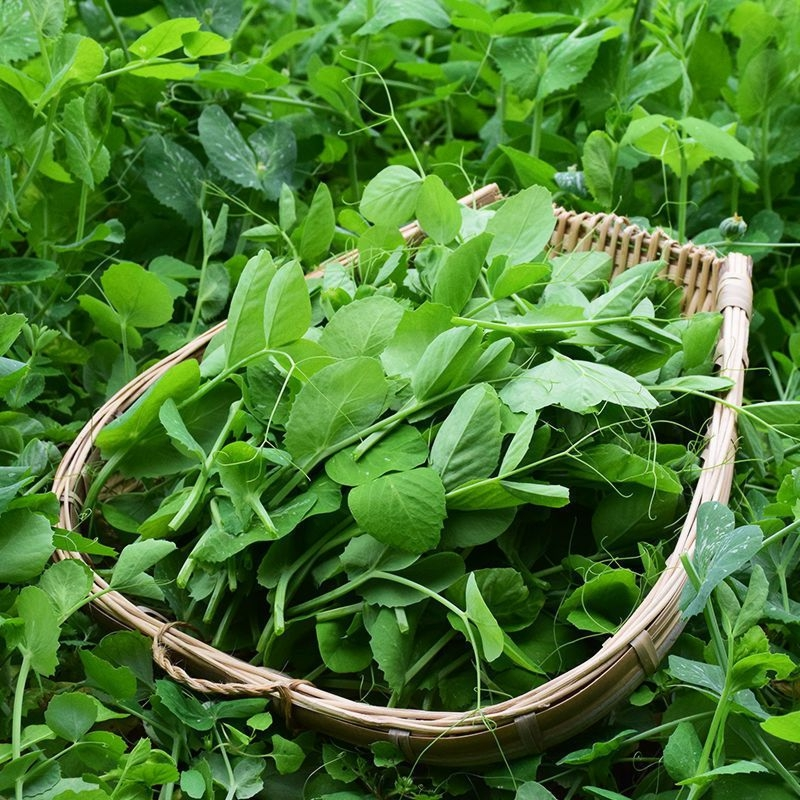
[362, 328]
[318, 226]
[405, 510]
[136, 558]
[287, 307]
[522, 226]
[245, 332]
[68, 584]
[179, 382]
[387, 12]
[390, 198]
[491, 634]
[499, 493]
[454, 281]
[721, 550]
[438, 211]
[40, 629]
[197, 44]
[603, 602]
[337, 403]
[163, 38]
[139, 297]
[721, 143]
[403, 449]
[446, 362]
[467, 445]
[786, 726]
[580, 386]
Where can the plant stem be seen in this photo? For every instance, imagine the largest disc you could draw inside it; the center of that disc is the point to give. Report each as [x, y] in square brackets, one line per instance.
[114, 22]
[683, 193]
[16, 720]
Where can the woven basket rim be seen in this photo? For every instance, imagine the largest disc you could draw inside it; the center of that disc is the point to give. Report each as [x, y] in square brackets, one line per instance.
[563, 705]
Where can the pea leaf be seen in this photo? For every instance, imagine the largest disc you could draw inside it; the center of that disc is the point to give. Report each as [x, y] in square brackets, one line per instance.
[67, 583]
[522, 226]
[226, 148]
[134, 559]
[71, 715]
[26, 544]
[603, 602]
[336, 403]
[454, 281]
[580, 386]
[245, 332]
[446, 362]
[40, 631]
[467, 446]
[438, 211]
[174, 176]
[721, 549]
[342, 651]
[390, 198]
[490, 632]
[362, 328]
[178, 383]
[403, 509]
[163, 38]
[318, 226]
[499, 493]
[287, 307]
[403, 449]
[139, 297]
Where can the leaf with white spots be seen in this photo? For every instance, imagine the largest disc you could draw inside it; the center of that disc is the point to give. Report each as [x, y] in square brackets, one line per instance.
[720, 551]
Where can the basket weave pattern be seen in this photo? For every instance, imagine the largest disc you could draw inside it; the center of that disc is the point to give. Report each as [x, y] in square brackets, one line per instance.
[564, 705]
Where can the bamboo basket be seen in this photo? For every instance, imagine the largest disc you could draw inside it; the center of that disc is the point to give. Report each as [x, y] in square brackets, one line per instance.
[565, 705]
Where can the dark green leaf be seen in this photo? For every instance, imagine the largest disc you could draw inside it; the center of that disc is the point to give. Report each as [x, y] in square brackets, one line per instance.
[71, 715]
[26, 544]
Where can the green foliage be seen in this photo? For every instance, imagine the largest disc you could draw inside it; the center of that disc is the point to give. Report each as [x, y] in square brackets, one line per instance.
[167, 163]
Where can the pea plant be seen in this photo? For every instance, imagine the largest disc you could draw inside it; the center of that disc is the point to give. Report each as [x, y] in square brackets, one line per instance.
[166, 164]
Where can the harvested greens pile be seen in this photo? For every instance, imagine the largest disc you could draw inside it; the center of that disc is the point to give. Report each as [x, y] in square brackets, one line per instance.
[433, 479]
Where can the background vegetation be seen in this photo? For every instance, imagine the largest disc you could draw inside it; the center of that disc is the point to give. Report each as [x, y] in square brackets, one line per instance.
[149, 147]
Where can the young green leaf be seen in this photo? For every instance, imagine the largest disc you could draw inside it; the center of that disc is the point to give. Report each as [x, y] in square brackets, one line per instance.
[721, 549]
[163, 38]
[467, 446]
[362, 328]
[318, 227]
[401, 450]
[71, 715]
[287, 307]
[337, 403]
[446, 362]
[490, 633]
[580, 386]
[26, 544]
[402, 509]
[438, 211]
[390, 198]
[454, 281]
[522, 226]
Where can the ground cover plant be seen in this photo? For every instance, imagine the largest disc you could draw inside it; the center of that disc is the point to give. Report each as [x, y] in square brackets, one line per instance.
[151, 149]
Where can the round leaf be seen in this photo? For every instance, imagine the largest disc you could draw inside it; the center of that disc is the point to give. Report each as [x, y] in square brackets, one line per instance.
[404, 509]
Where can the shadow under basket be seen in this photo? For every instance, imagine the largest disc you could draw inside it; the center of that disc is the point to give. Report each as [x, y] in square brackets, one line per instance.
[549, 713]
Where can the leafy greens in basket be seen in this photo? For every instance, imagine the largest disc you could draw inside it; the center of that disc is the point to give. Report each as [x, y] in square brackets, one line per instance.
[427, 479]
